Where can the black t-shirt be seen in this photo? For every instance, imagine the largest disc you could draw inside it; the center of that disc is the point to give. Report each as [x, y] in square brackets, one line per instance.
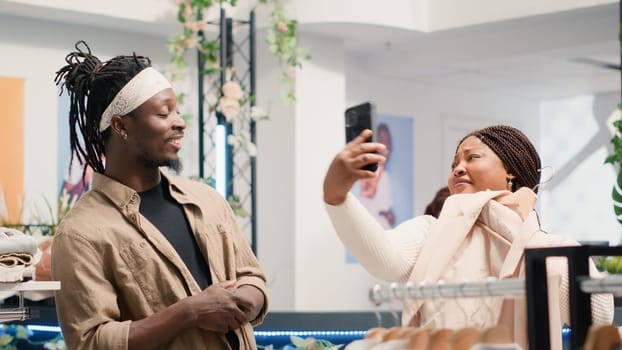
[159, 207]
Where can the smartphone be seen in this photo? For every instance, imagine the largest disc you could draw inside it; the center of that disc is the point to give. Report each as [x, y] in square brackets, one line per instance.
[359, 118]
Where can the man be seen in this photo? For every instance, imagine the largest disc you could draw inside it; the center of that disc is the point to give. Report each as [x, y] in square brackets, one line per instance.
[146, 260]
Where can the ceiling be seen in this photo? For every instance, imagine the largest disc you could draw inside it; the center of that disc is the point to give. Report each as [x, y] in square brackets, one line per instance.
[540, 56]
[536, 57]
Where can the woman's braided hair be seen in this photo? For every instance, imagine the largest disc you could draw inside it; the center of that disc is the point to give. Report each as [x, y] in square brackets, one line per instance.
[516, 152]
[91, 85]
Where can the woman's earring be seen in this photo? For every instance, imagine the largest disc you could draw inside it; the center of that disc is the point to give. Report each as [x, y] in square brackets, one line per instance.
[510, 184]
[124, 135]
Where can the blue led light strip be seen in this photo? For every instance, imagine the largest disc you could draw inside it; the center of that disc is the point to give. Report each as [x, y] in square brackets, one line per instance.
[309, 333]
[40, 328]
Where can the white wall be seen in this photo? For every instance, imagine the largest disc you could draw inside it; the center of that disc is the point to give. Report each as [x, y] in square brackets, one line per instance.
[320, 91]
[147, 11]
[445, 14]
[428, 15]
[405, 14]
[275, 187]
[34, 51]
[575, 143]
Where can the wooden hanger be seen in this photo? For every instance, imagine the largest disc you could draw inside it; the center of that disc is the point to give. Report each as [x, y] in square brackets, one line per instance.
[419, 338]
[395, 338]
[405, 332]
[375, 333]
[464, 338]
[495, 335]
[440, 339]
[602, 337]
[392, 333]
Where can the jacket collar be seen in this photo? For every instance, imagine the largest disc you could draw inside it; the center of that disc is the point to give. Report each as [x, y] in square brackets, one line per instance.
[124, 196]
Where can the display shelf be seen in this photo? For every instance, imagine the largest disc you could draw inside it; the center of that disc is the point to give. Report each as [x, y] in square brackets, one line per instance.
[30, 286]
[21, 313]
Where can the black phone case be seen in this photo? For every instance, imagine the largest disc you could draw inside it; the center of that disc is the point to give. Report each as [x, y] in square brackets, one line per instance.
[359, 118]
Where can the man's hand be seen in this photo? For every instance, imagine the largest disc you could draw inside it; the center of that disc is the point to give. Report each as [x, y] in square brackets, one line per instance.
[216, 308]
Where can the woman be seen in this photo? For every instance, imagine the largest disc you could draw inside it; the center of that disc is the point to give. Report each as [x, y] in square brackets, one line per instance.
[482, 231]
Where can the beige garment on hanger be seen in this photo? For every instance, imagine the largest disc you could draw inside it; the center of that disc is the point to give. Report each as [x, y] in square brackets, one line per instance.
[462, 247]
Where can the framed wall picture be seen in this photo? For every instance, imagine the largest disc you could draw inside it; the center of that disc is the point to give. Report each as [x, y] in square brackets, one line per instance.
[389, 196]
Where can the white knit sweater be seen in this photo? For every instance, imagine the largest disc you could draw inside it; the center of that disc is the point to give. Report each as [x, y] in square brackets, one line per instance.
[392, 255]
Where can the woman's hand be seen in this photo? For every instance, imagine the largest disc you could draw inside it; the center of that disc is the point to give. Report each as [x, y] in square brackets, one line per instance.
[345, 169]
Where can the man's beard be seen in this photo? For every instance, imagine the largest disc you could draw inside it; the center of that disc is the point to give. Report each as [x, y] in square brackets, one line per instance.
[174, 164]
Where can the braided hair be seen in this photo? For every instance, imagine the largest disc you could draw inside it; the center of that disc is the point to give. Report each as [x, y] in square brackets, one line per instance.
[517, 153]
[92, 85]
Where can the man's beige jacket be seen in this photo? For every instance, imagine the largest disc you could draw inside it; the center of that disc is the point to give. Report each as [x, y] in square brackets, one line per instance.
[116, 267]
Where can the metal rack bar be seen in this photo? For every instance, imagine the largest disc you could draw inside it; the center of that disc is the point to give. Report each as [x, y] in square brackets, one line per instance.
[411, 291]
[609, 284]
[22, 313]
[18, 314]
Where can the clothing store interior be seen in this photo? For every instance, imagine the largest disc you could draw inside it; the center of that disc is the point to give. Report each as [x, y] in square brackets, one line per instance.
[523, 96]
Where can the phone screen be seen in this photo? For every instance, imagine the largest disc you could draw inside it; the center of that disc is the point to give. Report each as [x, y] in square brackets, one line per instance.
[359, 118]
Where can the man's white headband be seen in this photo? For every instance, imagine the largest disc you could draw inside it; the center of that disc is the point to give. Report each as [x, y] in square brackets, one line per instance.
[139, 89]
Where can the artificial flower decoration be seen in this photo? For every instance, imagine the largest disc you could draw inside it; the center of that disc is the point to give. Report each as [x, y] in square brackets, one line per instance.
[282, 39]
[229, 107]
[258, 113]
[233, 90]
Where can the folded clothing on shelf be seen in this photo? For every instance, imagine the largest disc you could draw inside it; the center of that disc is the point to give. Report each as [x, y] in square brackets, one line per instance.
[17, 253]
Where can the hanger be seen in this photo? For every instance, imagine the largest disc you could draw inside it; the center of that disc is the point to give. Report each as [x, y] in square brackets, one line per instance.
[392, 333]
[375, 295]
[602, 337]
[440, 339]
[496, 334]
[396, 293]
[464, 338]
[376, 333]
[419, 338]
[395, 338]
[547, 180]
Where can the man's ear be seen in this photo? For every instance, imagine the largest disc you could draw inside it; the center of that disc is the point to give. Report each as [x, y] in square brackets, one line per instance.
[117, 125]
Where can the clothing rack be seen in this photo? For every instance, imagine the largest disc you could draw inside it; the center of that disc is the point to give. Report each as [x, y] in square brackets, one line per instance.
[533, 287]
[379, 294]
